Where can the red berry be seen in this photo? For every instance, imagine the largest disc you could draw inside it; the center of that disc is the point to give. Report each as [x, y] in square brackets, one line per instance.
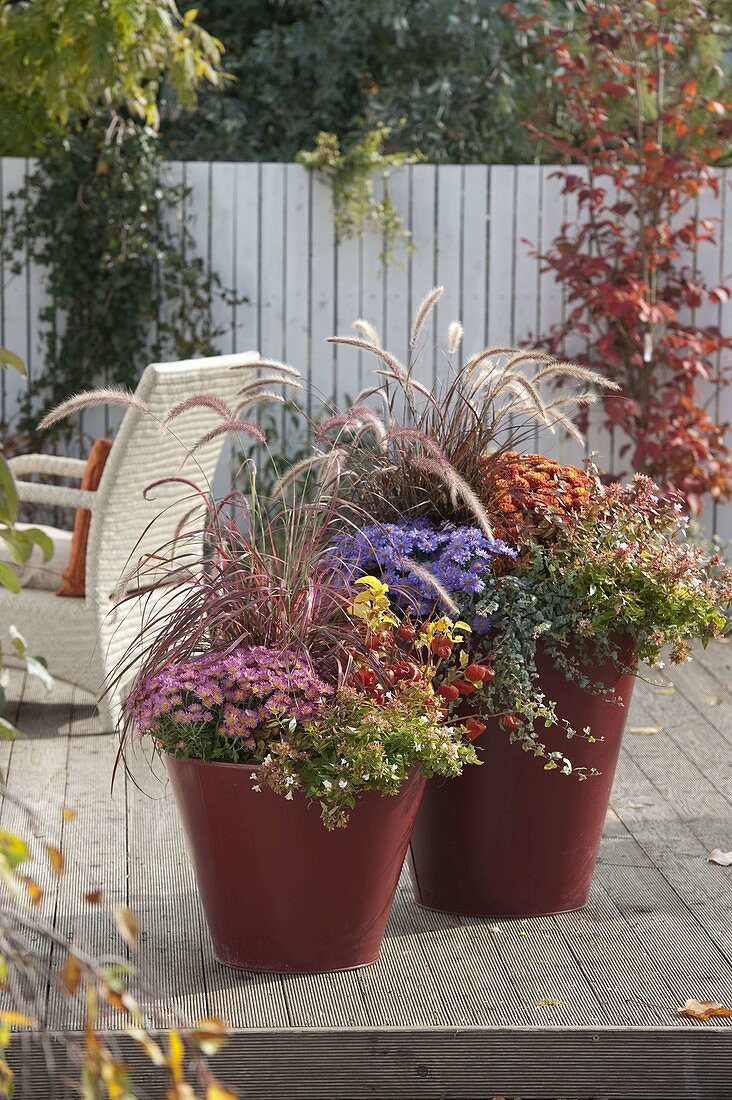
[449, 692]
[510, 722]
[480, 673]
[364, 678]
[441, 644]
[475, 672]
[474, 727]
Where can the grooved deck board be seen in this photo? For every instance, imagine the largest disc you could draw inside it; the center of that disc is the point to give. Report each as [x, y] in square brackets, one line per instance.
[579, 1005]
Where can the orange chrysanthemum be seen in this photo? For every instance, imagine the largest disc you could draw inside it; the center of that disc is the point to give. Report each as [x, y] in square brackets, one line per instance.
[526, 495]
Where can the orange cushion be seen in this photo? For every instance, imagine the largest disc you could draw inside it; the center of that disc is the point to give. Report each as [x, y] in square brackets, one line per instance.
[74, 575]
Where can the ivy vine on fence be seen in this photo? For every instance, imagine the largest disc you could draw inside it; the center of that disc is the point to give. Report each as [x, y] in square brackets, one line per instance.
[123, 283]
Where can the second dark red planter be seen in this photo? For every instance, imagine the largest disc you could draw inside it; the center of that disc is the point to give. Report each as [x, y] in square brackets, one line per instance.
[280, 892]
[510, 839]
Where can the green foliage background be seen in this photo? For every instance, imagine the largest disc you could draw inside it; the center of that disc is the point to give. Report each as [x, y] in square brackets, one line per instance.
[450, 78]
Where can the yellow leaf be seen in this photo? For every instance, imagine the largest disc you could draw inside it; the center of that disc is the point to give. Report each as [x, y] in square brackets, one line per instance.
[71, 975]
[57, 860]
[645, 731]
[67, 814]
[128, 924]
[703, 1010]
[215, 1091]
[17, 1019]
[176, 1051]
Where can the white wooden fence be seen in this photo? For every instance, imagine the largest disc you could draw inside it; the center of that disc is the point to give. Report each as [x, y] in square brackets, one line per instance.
[268, 231]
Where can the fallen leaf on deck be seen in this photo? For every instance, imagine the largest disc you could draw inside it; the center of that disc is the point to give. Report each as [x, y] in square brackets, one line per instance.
[722, 859]
[703, 1010]
[549, 1002]
[645, 731]
[669, 689]
[94, 897]
[67, 814]
[639, 805]
[128, 924]
[56, 858]
[714, 700]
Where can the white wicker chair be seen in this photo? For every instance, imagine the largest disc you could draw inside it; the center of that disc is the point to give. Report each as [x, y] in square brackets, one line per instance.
[83, 639]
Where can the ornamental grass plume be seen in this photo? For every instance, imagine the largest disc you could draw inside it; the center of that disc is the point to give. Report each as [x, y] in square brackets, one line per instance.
[424, 451]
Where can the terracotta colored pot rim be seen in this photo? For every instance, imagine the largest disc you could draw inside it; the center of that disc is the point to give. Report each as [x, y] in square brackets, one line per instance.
[212, 763]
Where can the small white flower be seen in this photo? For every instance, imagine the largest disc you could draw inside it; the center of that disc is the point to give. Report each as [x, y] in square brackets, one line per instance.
[342, 783]
[256, 787]
[290, 780]
[366, 776]
[423, 719]
[268, 758]
[327, 784]
[288, 796]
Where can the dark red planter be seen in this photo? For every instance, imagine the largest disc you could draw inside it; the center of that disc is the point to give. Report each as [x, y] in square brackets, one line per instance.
[510, 839]
[280, 892]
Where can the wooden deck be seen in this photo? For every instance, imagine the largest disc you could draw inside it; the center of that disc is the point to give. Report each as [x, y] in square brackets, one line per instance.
[576, 1006]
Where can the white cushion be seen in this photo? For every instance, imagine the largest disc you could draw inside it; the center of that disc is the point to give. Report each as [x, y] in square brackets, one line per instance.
[37, 573]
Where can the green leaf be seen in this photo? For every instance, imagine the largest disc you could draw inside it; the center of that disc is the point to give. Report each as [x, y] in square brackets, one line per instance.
[13, 850]
[8, 493]
[9, 578]
[10, 359]
[8, 732]
[36, 666]
[40, 539]
[20, 549]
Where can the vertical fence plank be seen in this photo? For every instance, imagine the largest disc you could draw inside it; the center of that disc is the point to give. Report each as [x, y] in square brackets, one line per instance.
[246, 313]
[372, 292]
[526, 266]
[708, 269]
[422, 262]
[15, 297]
[349, 307]
[396, 298]
[549, 310]
[222, 201]
[273, 308]
[297, 272]
[449, 258]
[323, 304]
[567, 449]
[474, 274]
[723, 510]
[501, 254]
